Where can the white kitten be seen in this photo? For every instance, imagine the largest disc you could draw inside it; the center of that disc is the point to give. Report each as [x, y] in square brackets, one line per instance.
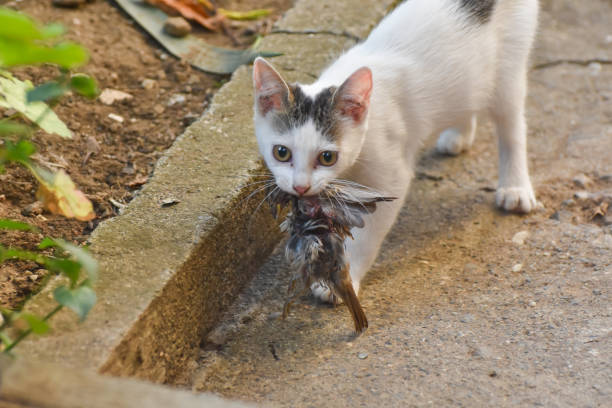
[430, 67]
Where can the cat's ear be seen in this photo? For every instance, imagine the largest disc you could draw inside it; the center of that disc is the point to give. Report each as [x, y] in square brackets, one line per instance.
[271, 91]
[352, 99]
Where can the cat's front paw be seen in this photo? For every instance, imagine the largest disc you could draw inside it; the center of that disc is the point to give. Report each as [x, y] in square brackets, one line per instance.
[323, 293]
[516, 199]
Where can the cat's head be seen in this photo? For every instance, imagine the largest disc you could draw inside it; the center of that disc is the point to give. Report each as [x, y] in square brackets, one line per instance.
[309, 138]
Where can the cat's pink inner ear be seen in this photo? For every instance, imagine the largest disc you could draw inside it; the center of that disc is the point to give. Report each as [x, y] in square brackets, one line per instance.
[271, 92]
[353, 97]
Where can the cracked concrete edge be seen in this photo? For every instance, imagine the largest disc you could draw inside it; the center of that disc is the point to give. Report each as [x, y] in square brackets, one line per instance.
[168, 272]
[57, 387]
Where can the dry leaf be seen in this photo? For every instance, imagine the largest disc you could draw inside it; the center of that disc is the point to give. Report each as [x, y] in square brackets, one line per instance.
[138, 181]
[93, 147]
[59, 195]
[191, 10]
[600, 211]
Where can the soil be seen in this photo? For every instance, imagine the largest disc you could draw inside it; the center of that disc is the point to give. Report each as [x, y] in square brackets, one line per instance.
[108, 160]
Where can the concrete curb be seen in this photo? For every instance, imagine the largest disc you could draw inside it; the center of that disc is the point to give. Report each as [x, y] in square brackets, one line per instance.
[25, 383]
[167, 272]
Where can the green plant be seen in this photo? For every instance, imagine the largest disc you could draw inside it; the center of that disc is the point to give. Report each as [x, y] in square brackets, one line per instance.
[68, 260]
[24, 42]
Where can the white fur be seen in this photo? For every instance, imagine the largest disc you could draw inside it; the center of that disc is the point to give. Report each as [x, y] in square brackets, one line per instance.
[434, 70]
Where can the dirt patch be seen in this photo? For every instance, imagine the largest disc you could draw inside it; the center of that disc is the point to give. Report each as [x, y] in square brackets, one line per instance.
[108, 159]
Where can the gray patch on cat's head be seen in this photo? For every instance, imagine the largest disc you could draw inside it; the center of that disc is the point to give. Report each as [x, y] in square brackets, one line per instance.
[302, 108]
[481, 10]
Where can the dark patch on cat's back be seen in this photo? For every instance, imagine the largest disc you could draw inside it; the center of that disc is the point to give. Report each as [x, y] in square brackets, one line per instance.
[302, 107]
[481, 10]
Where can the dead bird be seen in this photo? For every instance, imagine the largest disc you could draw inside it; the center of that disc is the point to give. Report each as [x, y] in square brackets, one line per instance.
[317, 227]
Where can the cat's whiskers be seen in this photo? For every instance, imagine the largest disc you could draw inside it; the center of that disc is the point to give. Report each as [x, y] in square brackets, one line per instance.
[259, 206]
[258, 190]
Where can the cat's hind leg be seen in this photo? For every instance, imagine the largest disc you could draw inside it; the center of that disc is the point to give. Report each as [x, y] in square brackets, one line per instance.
[456, 140]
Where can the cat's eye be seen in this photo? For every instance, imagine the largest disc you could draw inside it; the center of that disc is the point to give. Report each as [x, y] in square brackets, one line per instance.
[281, 153]
[328, 158]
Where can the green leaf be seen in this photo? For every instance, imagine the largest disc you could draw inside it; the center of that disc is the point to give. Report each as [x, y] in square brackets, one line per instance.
[80, 300]
[66, 54]
[16, 225]
[47, 243]
[15, 25]
[84, 85]
[37, 325]
[83, 257]
[9, 127]
[13, 96]
[6, 340]
[71, 269]
[52, 30]
[46, 91]
[13, 253]
[245, 15]
[17, 152]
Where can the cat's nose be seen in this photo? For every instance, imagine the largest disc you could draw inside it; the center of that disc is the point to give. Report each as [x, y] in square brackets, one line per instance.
[301, 190]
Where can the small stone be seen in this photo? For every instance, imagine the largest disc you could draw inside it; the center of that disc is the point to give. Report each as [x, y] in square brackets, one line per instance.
[596, 292]
[159, 109]
[168, 202]
[594, 68]
[116, 117]
[568, 203]
[582, 180]
[274, 315]
[193, 79]
[608, 39]
[517, 268]
[532, 303]
[581, 195]
[470, 268]
[67, 3]
[128, 169]
[520, 237]
[177, 26]
[110, 96]
[362, 355]
[468, 318]
[189, 118]
[176, 99]
[604, 242]
[32, 209]
[148, 84]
